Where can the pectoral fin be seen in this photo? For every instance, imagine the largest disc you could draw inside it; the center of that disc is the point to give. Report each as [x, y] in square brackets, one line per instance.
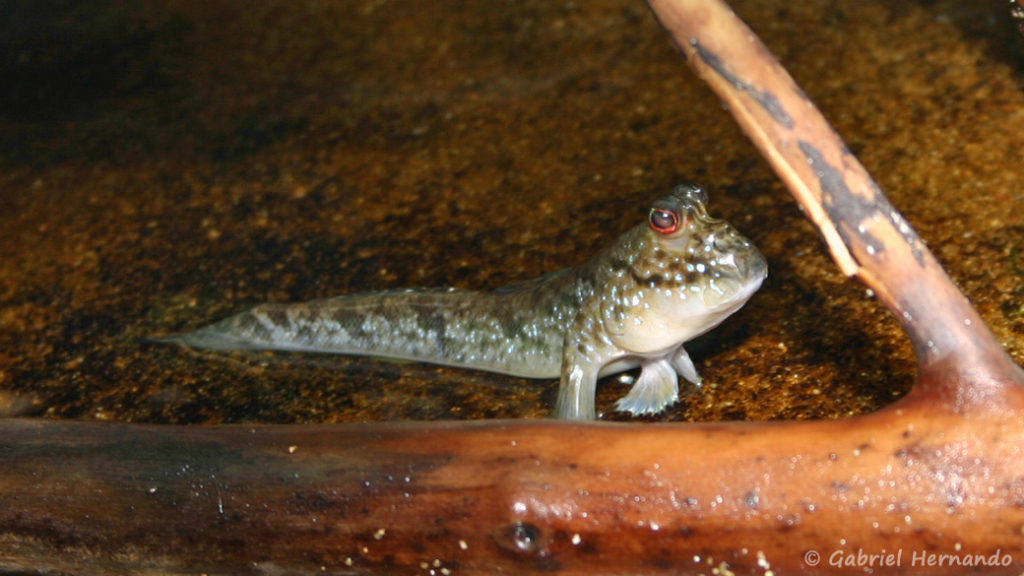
[656, 388]
[684, 366]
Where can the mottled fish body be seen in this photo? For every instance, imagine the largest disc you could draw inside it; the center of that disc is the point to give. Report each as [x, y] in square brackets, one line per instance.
[464, 328]
[634, 304]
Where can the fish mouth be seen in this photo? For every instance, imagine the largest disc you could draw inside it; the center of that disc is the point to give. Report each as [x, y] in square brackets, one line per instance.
[755, 266]
[731, 293]
[746, 259]
[741, 270]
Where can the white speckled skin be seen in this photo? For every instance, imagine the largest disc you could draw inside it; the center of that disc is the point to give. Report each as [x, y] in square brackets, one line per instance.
[634, 304]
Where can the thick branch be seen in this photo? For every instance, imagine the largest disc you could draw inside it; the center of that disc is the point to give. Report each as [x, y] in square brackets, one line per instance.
[515, 497]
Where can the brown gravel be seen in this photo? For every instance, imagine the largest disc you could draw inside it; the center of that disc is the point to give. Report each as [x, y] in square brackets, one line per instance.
[164, 164]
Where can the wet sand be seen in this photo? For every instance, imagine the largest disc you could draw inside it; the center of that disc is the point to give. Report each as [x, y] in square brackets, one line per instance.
[165, 164]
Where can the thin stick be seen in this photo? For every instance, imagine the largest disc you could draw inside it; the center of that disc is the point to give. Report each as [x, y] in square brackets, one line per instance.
[867, 236]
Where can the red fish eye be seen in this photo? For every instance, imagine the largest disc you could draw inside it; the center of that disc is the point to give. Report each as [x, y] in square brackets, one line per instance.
[664, 221]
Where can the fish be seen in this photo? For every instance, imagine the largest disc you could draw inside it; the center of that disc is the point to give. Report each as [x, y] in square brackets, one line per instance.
[636, 303]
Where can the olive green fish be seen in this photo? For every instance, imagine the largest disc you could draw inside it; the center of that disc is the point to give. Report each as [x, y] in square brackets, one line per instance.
[661, 284]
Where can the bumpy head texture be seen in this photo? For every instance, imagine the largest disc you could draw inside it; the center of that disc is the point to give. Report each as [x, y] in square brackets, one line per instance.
[694, 253]
[679, 276]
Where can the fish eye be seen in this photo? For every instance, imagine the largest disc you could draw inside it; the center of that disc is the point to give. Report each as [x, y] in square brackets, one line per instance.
[664, 221]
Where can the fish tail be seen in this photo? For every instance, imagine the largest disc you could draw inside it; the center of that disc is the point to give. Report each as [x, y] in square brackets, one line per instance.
[265, 327]
[402, 324]
[208, 338]
[451, 327]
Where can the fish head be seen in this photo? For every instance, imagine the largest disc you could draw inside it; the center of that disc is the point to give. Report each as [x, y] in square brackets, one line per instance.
[683, 273]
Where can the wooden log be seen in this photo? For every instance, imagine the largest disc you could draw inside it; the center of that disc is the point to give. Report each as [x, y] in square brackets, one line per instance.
[520, 497]
[924, 486]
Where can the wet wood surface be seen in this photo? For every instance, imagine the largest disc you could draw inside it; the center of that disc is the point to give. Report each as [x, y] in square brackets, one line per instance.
[521, 497]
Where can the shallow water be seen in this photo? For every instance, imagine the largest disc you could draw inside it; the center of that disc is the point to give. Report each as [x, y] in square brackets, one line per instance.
[165, 164]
